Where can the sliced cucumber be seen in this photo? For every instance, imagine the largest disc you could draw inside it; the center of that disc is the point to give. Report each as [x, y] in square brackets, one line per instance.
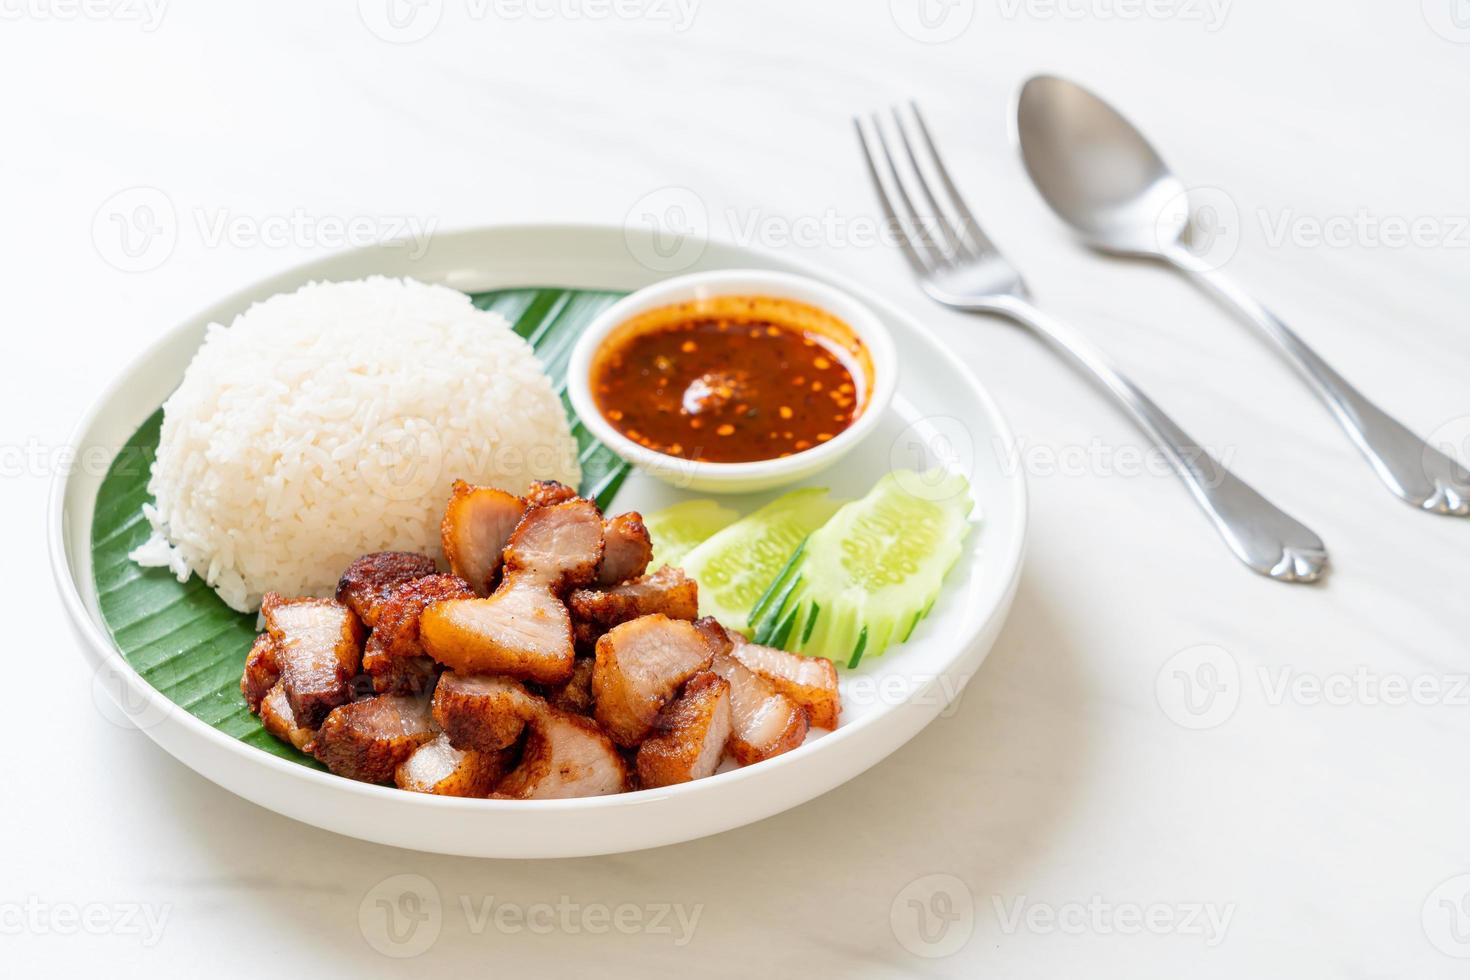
[862, 581]
[678, 529]
[735, 566]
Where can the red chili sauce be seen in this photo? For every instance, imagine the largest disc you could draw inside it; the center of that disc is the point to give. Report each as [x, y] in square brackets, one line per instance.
[731, 379]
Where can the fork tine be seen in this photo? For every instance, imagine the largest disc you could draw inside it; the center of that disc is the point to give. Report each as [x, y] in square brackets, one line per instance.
[969, 227]
[934, 258]
[955, 245]
[915, 260]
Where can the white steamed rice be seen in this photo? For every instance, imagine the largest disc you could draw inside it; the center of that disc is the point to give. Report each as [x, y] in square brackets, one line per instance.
[330, 422]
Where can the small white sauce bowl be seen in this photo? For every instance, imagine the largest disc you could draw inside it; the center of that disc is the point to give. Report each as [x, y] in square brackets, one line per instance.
[756, 475]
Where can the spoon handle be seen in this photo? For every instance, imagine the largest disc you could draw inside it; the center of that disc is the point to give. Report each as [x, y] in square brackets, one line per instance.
[1260, 534]
[1410, 467]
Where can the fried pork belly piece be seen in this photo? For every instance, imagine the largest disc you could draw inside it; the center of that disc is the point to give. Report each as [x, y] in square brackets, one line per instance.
[764, 722]
[575, 695]
[318, 648]
[395, 657]
[689, 738]
[439, 768]
[640, 667]
[714, 634]
[627, 549]
[545, 493]
[262, 673]
[560, 545]
[667, 591]
[482, 712]
[369, 581]
[522, 630]
[368, 740]
[809, 681]
[477, 524]
[566, 756]
[280, 721]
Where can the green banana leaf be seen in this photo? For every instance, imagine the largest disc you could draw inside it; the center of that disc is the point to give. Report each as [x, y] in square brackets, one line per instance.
[191, 646]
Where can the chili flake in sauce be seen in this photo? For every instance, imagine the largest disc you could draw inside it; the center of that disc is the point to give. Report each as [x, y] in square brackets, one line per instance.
[731, 379]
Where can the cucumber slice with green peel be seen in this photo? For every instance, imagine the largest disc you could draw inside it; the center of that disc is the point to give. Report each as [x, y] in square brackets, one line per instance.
[862, 581]
[736, 565]
[679, 529]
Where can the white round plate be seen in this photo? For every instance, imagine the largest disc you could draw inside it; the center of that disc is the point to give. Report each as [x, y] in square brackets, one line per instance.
[940, 415]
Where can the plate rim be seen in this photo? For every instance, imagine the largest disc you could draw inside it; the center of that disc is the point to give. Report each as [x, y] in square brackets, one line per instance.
[107, 655]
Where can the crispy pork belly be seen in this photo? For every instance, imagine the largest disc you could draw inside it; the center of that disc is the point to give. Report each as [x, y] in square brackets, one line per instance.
[627, 549]
[318, 648]
[400, 675]
[368, 740]
[809, 681]
[764, 722]
[261, 671]
[280, 721]
[576, 694]
[559, 545]
[545, 493]
[394, 656]
[667, 591]
[565, 756]
[369, 581]
[689, 738]
[482, 712]
[477, 524]
[522, 630]
[438, 767]
[640, 667]
[714, 634]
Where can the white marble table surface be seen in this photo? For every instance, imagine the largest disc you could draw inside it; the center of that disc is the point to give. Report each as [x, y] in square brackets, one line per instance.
[1317, 831]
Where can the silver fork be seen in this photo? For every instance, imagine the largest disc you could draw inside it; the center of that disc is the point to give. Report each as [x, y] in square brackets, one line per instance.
[961, 268]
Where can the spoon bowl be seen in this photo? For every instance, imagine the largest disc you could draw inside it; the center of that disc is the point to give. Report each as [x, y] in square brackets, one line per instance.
[1096, 171]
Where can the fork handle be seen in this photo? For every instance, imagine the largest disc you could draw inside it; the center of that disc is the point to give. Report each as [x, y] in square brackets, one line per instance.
[1411, 468]
[1260, 534]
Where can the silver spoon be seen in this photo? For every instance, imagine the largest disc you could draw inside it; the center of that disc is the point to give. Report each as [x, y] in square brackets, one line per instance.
[1103, 178]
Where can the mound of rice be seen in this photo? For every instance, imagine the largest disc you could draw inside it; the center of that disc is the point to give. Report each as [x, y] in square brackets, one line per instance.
[330, 422]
